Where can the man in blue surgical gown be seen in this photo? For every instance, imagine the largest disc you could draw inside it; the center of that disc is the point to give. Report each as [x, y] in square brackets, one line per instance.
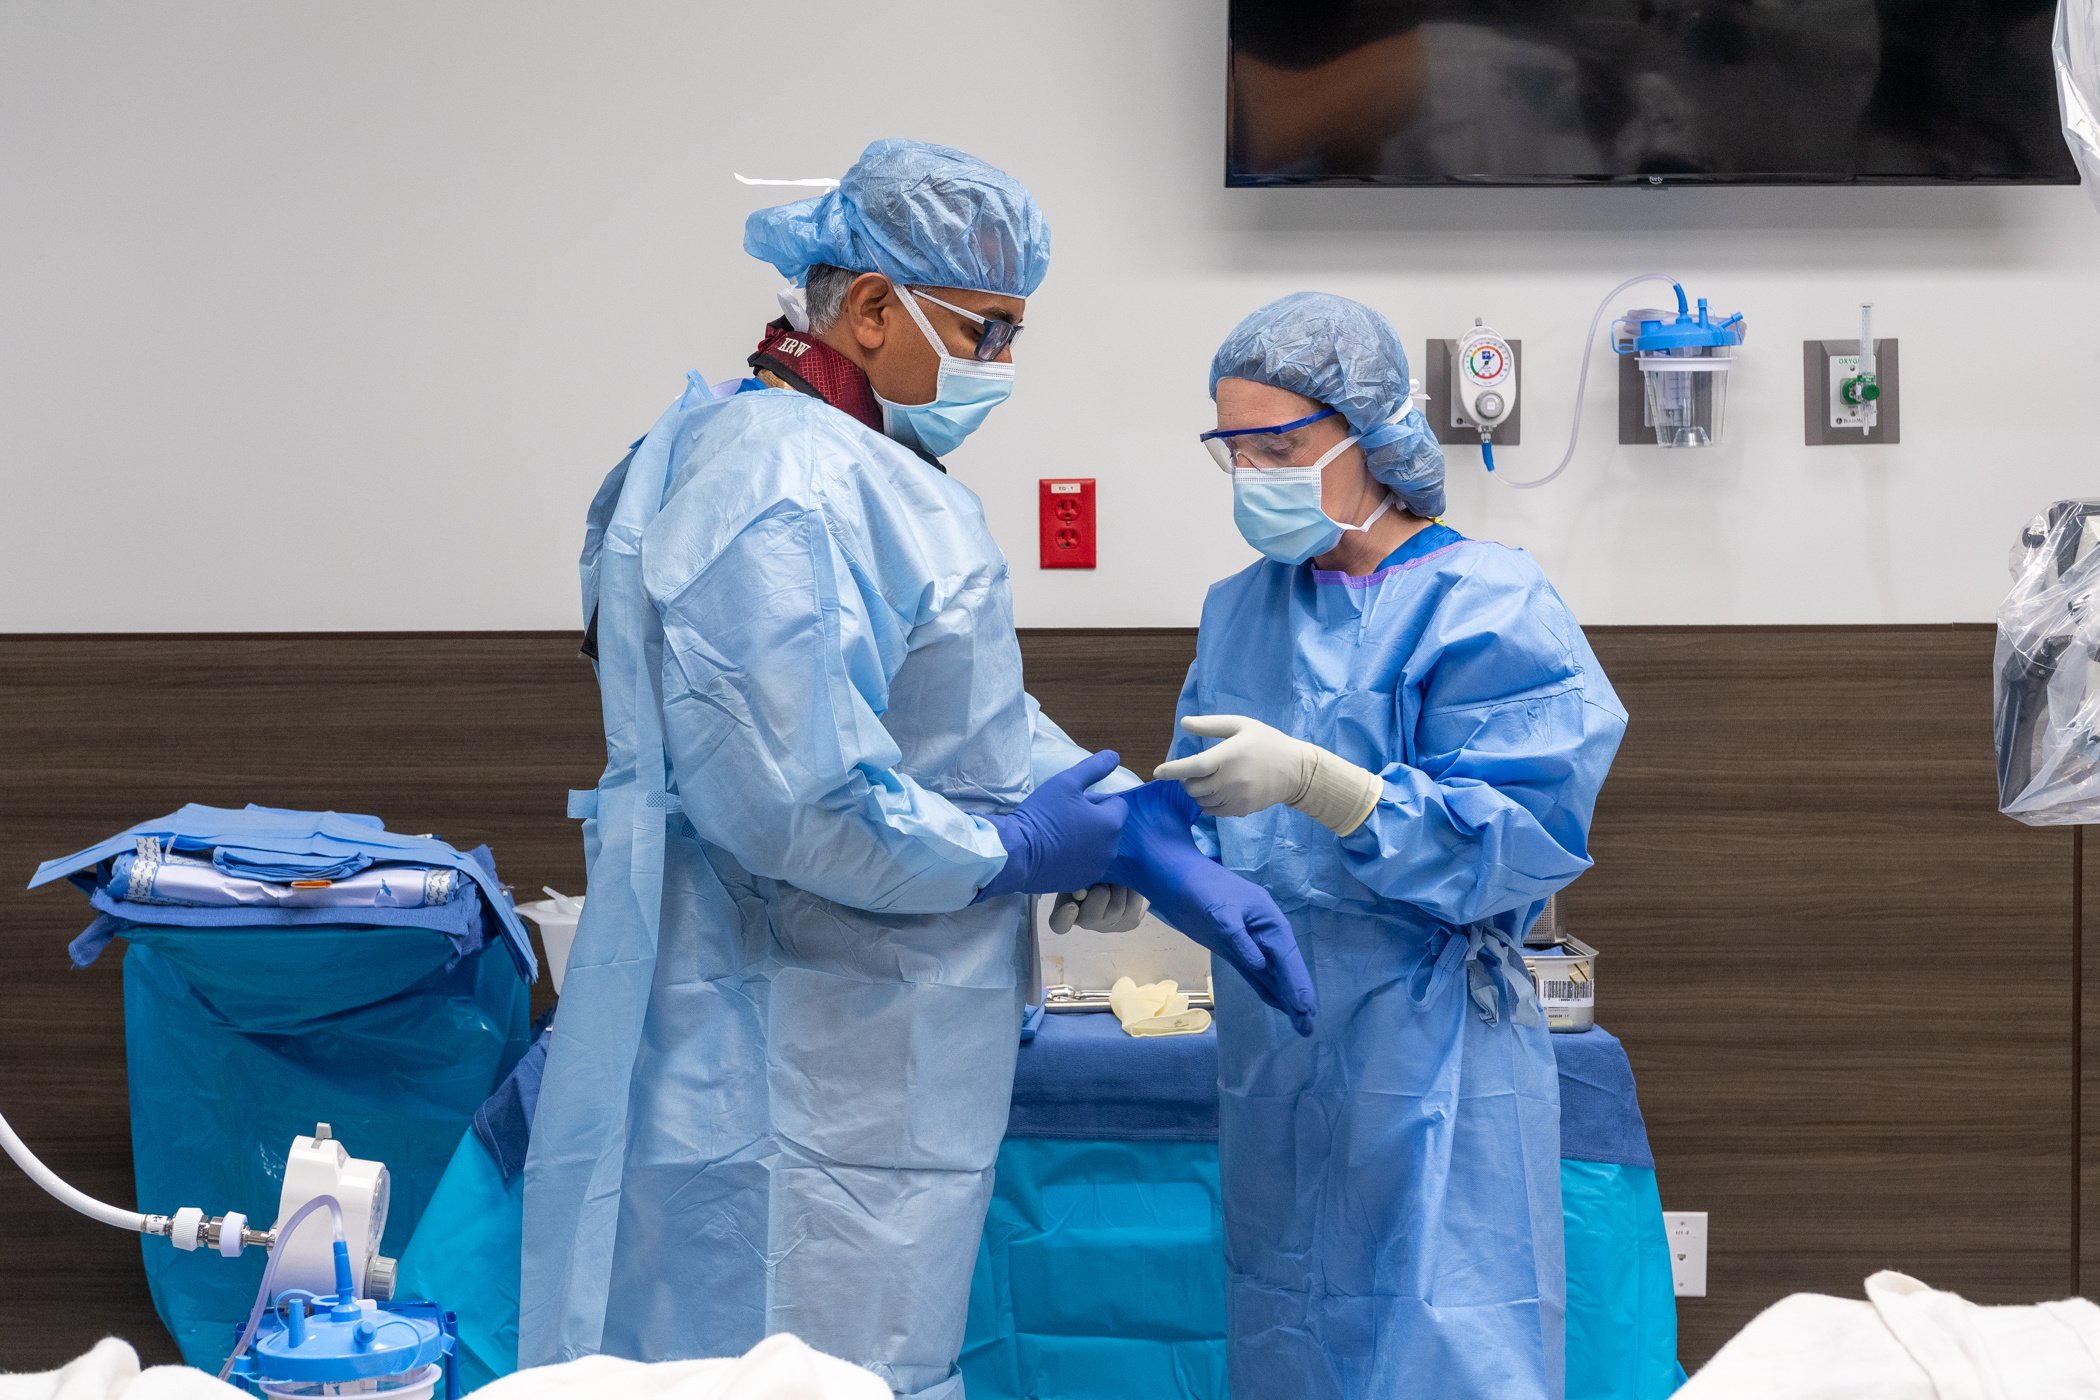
[1400, 733]
[782, 1064]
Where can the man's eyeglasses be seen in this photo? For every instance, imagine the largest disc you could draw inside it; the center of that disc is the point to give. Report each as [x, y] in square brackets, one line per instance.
[993, 334]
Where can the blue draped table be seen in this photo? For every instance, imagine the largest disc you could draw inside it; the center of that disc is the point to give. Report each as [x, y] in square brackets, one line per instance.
[1102, 1276]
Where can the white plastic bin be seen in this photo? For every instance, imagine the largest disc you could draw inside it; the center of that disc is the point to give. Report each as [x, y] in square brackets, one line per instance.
[556, 917]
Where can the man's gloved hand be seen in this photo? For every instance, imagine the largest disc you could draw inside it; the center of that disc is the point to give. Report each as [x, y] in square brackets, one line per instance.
[1061, 837]
[1258, 766]
[1104, 908]
[1230, 915]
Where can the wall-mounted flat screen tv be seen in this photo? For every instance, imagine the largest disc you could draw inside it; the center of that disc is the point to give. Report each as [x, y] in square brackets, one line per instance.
[1636, 92]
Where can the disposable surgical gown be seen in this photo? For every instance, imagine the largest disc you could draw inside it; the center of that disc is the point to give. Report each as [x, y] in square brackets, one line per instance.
[780, 1072]
[1392, 1196]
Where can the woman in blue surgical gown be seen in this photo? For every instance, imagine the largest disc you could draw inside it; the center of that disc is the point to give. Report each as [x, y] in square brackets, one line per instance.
[1400, 732]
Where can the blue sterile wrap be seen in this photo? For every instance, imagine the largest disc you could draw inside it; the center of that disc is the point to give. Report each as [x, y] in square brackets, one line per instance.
[1622, 1305]
[1101, 1274]
[244, 1027]
[504, 1123]
[153, 875]
[1083, 1077]
[1600, 1115]
[466, 1253]
[252, 840]
[465, 920]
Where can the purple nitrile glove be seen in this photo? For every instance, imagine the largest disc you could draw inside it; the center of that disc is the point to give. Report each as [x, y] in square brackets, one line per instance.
[1226, 913]
[1062, 837]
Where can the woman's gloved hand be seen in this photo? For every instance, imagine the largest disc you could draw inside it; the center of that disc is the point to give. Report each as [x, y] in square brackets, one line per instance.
[1226, 913]
[1104, 908]
[1061, 837]
[1258, 766]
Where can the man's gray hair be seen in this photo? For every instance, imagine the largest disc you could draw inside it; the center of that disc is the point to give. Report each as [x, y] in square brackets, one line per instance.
[825, 294]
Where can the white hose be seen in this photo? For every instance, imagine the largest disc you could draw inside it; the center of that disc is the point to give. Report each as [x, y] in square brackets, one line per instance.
[78, 1200]
[1589, 347]
[262, 1295]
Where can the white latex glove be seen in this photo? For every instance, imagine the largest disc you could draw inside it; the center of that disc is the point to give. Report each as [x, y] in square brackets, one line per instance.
[1103, 908]
[1157, 1008]
[1258, 766]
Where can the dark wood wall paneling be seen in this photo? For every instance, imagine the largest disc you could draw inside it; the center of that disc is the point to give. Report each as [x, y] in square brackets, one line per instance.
[1847, 985]
[1844, 979]
[2087, 857]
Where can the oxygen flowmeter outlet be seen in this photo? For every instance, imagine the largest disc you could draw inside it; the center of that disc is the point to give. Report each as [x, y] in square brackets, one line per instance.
[1850, 391]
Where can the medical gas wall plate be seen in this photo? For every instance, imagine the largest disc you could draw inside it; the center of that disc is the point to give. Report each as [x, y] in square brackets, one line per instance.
[1686, 1232]
[1829, 368]
[1485, 368]
[1454, 392]
[1066, 520]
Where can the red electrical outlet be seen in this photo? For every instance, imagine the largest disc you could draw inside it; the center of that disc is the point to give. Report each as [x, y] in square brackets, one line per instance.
[1068, 522]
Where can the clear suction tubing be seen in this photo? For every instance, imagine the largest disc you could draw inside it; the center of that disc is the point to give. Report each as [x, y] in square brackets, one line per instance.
[1684, 361]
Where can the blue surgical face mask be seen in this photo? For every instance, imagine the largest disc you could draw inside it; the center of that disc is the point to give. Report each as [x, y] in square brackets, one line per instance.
[963, 394]
[1278, 509]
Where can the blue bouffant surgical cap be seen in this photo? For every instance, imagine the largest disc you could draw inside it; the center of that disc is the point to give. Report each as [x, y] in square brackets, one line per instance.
[1345, 355]
[922, 214]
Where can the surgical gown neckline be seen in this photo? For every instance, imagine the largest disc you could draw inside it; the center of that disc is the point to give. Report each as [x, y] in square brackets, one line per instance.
[1421, 545]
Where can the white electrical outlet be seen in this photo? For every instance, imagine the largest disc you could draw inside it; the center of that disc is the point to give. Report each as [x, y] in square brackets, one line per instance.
[1686, 1230]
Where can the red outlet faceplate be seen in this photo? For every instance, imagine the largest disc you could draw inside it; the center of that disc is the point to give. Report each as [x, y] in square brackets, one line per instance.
[1067, 519]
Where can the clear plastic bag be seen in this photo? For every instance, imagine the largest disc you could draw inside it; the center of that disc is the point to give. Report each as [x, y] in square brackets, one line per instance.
[2046, 673]
[2078, 84]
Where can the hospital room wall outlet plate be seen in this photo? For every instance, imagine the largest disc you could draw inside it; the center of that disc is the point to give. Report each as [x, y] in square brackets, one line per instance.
[1445, 408]
[1686, 1231]
[1066, 511]
[1829, 421]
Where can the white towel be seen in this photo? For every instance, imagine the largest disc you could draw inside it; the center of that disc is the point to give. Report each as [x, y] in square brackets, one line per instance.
[1907, 1342]
[111, 1372]
[779, 1368]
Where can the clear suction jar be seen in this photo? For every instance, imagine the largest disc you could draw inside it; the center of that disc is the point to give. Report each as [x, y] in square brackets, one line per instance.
[1686, 394]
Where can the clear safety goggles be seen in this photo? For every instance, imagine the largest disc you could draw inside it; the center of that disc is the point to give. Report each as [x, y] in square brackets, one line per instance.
[1262, 449]
[994, 336]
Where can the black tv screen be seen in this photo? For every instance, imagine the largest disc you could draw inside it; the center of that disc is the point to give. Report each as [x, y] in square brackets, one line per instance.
[1582, 92]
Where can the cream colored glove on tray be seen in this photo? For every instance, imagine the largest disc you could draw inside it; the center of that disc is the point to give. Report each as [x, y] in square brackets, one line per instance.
[1257, 766]
[1157, 1008]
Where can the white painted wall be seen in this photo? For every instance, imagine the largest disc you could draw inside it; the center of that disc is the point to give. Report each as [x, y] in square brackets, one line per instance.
[331, 316]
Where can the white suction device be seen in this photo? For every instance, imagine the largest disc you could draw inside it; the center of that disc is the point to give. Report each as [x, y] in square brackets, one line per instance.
[318, 1169]
[1486, 376]
[319, 1166]
[321, 1324]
